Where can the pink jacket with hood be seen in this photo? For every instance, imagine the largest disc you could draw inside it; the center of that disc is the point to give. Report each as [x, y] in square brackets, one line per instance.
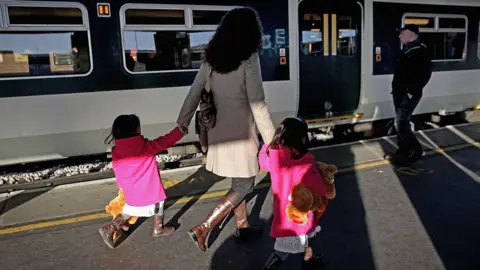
[285, 173]
[136, 170]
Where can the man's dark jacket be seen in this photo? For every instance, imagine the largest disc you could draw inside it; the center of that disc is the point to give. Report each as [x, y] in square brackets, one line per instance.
[413, 69]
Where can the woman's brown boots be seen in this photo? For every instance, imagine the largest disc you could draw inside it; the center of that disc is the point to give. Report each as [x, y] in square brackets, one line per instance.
[199, 233]
[244, 232]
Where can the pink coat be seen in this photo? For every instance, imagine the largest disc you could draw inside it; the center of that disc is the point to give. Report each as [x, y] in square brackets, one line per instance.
[285, 173]
[136, 170]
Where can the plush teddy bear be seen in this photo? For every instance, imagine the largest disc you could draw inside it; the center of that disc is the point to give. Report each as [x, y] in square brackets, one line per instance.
[328, 173]
[302, 200]
[115, 208]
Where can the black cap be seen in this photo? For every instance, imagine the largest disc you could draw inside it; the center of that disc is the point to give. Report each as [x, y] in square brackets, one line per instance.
[411, 27]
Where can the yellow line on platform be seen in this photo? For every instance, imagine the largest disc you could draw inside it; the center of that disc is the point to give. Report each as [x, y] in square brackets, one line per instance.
[210, 195]
[52, 223]
[364, 166]
[66, 221]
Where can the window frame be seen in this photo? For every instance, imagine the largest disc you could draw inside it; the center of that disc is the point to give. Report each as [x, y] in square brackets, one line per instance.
[437, 29]
[3, 23]
[357, 45]
[422, 15]
[323, 23]
[478, 40]
[6, 27]
[188, 27]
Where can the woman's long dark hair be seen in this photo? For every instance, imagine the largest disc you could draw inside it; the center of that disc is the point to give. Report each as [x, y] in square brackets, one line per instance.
[239, 35]
[292, 133]
[124, 126]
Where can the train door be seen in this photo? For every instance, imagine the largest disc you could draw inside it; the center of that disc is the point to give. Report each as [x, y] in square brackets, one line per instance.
[330, 57]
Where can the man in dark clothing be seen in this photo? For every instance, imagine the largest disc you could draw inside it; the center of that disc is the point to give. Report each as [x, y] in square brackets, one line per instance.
[412, 72]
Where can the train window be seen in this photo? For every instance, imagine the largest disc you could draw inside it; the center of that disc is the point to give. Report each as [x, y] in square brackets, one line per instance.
[165, 50]
[444, 35]
[154, 17]
[347, 36]
[450, 40]
[312, 34]
[44, 15]
[44, 53]
[208, 17]
[420, 21]
[167, 38]
[478, 48]
[446, 46]
[57, 45]
[459, 23]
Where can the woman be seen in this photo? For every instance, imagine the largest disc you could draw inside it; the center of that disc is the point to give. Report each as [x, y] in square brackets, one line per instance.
[236, 83]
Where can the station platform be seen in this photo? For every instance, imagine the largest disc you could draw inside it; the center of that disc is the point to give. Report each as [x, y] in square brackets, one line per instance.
[420, 217]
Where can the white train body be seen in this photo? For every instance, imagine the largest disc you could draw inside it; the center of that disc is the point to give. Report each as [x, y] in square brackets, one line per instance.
[39, 120]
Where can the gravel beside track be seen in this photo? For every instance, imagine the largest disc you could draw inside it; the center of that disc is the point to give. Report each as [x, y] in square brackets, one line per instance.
[62, 170]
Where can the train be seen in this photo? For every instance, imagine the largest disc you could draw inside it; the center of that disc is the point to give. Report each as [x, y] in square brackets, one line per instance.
[68, 68]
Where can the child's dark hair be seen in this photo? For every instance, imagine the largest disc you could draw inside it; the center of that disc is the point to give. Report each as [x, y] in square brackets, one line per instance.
[124, 126]
[291, 133]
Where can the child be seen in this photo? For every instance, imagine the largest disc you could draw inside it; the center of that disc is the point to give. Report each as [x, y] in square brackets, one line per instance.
[136, 172]
[289, 163]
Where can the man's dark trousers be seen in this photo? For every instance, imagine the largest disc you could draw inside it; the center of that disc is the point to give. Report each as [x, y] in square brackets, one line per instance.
[408, 145]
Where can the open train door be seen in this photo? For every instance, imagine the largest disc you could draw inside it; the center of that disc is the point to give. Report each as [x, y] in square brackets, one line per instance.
[330, 34]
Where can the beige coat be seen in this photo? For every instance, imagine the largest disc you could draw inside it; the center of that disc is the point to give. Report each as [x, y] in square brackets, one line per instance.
[240, 99]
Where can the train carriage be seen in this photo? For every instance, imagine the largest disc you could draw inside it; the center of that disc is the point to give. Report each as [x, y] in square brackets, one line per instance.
[67, 68]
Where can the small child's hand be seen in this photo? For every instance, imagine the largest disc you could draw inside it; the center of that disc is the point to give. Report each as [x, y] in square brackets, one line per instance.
[183, 129]
[308, 254]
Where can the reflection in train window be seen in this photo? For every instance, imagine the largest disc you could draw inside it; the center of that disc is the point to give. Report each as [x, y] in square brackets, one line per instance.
[459, 23]
[44, 15]
[165, 50]
[208, 17]
[167, 38]
[154, 17]
[420, 21]
[43, 53]
[445, 46]
[312, 34]
[347, 36]
[46, 41]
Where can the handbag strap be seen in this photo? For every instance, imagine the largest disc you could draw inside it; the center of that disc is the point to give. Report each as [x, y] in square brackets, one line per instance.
[208, 84]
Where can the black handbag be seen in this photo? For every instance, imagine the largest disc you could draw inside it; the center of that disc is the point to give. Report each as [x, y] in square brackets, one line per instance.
[206, 116]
